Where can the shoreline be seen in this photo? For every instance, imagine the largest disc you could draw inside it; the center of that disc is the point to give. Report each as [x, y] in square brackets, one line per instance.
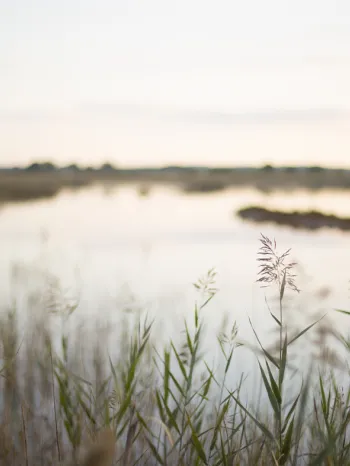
[40, 181]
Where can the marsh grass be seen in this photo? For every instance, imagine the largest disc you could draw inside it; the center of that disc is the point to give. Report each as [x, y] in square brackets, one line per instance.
[165, 404]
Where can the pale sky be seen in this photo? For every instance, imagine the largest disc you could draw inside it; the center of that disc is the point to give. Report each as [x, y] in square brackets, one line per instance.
[189, 81]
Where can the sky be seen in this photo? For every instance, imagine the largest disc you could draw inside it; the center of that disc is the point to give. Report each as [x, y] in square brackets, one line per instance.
[155, 82]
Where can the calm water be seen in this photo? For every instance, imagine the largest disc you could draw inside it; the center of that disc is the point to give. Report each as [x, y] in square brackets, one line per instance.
[115, 249]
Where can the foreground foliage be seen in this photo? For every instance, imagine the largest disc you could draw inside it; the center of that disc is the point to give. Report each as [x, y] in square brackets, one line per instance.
[167, 405]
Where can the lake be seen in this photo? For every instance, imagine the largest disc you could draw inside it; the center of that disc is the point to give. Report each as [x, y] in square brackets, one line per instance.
[116, 250]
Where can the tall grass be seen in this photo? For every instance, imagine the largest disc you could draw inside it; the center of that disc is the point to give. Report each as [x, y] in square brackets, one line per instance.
[167, 405]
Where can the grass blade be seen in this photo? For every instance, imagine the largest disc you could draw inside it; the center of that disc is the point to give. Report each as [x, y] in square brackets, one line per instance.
[305, 330]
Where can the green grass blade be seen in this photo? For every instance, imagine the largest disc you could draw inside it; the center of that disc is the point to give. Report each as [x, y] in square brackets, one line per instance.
[166, 375]
[277, 320]
[228, 362]
[287, 444]
[269, 356]
[283, 285]
[188, 338]
[274, 385]
[283, 362]
[218, 424]
[160, 406]
[272, 398]
[342, 311]
[180, 363]
[171, 417]
[305, 330]
[196, 442]
[290, 413]
[260, 425]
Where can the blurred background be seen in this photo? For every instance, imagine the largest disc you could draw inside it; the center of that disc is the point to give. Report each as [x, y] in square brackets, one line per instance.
[252, 97]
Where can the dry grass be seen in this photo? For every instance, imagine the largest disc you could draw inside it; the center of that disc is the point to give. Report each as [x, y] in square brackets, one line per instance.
[102, 451]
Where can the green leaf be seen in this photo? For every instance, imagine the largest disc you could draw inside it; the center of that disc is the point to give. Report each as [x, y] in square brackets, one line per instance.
[154, 451]
[172, 419]
[206, 302]
[160, 406]
[123, 408]
[272, 398]
[122, 429]
[283, 285]
[178, 386]
[277, 320]
[211, 374]
[283, 362]
[222, 451]
[87, 410]
[166, 374]
[290, 413]
[218, 424]
[180, 363]
[323, 399]
[305, 330]
[342, 311]
[261, 426]
[188, 337]
[113, 370]
[196, 443]
[287, 443]
[274, 385]
[269, 357]
[228, 362]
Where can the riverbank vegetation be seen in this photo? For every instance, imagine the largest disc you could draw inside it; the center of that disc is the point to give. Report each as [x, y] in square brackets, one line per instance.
[45, 180]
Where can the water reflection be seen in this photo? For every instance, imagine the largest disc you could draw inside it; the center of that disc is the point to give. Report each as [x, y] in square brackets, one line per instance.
[159, 244]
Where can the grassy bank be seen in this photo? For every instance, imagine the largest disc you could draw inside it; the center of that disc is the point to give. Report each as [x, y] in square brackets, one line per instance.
[167, 404]
[28, 184]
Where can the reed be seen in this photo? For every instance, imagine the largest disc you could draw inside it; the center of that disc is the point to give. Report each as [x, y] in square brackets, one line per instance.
[145, 403]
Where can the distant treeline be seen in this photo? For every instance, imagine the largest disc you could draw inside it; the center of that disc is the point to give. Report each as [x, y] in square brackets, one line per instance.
[48, 166]
[108, 167]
